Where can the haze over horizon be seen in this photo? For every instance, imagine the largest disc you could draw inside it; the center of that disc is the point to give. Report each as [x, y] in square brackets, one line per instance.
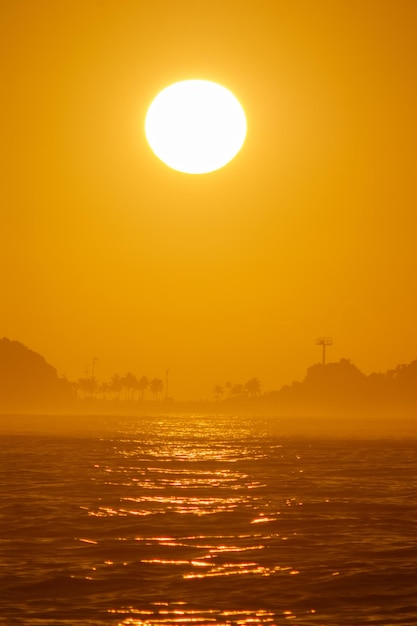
[309, 231]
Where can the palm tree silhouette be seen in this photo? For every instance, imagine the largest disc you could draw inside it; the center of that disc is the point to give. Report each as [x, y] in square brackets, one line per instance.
[129, 384]
[142, 385]
[116, 385]
[253, 387]
[156, 387]
[237, 390]
[218, 391]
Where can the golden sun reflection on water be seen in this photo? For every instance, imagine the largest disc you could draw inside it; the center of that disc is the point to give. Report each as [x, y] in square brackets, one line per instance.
[195, 515]
[174, 616]
[297, 531]
[173, 481]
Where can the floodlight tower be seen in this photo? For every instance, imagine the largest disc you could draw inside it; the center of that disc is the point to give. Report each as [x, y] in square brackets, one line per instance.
[324, 342]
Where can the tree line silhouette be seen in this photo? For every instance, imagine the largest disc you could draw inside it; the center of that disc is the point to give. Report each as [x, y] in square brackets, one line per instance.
[251, 388]
[127, 387]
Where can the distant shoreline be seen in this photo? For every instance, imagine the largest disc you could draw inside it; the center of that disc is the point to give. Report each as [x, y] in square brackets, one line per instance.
[335, 396]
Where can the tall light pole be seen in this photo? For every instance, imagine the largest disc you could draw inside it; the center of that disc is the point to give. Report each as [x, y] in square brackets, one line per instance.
[324, 342]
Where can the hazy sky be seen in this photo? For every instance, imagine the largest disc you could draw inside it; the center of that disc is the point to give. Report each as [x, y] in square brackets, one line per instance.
[106, 252]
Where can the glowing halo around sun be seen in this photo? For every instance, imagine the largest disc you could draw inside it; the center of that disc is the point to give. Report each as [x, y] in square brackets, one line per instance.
[195, 126]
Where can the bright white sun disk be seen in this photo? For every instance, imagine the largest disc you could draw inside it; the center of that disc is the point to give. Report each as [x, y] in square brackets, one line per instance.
[195, 126]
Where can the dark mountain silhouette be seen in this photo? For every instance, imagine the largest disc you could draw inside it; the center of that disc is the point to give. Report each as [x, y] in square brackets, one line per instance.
[341, 383]
[334, 389]
[27, 381]
[342, 388]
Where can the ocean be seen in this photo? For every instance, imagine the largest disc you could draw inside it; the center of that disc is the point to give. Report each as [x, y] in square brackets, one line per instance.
[204, 520]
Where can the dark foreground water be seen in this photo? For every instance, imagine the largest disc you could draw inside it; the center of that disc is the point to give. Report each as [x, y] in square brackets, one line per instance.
[206, 521]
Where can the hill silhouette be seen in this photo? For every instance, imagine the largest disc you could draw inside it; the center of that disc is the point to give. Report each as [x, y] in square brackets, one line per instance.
[341, 388]
[28, 382]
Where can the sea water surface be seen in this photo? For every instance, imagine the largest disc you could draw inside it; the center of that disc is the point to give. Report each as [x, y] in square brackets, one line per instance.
[206, 520]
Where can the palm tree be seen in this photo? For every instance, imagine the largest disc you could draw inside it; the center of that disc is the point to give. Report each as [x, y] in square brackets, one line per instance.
[218, 391]
[105, 388]
[129, 382]
[86, 386]
[116, 386]
[253, 386]
[142, 385]
[156, 387]
[237, 390]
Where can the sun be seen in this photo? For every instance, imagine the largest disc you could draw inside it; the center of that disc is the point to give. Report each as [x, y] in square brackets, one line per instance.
[195, 126]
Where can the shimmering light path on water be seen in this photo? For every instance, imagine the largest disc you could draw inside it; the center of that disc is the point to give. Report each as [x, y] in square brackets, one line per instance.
[206, 521]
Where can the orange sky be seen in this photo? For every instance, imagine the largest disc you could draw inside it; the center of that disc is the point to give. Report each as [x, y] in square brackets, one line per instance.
[310, 231]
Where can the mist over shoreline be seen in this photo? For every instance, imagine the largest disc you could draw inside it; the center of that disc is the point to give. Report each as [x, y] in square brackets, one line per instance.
[332, 398]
